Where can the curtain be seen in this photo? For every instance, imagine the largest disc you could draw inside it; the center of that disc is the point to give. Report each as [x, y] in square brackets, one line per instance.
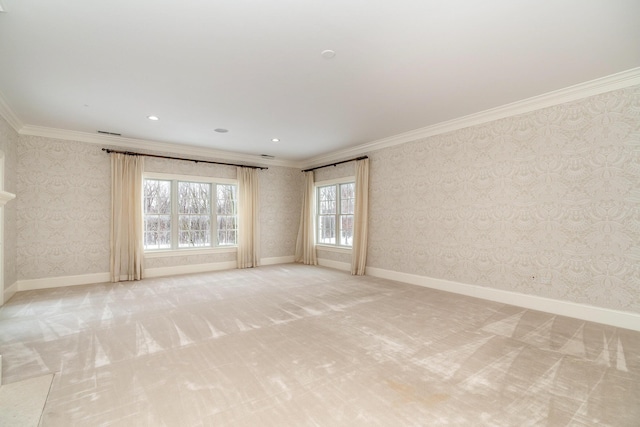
[360, 226]
[305, 245]
[248, 225]
[127, 248]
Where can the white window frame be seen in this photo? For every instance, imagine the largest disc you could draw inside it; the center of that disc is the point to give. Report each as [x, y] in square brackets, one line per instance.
[328, 246]
[175, 250]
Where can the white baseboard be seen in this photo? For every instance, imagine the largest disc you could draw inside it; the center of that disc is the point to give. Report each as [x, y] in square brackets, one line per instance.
[278, 260]
[9, 292]
[88, 279]
[189, 269]
[344, 266]
[57, 282]
[618, 318]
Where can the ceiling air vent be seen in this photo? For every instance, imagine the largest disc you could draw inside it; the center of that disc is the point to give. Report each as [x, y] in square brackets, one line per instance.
[267, 156]
[104, 132]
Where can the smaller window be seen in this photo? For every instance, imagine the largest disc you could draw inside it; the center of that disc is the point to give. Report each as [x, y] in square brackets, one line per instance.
[335, 206]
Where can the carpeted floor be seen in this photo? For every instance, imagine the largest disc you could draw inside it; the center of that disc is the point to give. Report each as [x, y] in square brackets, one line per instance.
[294, 345]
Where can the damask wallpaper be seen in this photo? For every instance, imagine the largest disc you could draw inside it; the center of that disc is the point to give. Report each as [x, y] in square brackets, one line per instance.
[63, 208]
[546, 203]
[280, 204]
[8, 144]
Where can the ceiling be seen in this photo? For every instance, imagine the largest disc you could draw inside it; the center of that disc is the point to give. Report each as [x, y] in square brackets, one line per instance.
[256, 69]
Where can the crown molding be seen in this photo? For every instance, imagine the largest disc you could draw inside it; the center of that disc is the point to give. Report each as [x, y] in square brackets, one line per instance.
[7, 113]
[147, 145]
[572, 93]
[569, 94]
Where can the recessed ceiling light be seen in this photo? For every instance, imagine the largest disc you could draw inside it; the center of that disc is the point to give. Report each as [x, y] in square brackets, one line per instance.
[328, 54]
[220, 130]
[154, 118]
[275, 140]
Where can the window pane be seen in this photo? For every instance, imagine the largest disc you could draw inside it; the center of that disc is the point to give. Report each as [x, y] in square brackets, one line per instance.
[194, 231]
[194, 209]
[327, 200]
[347, 198]
[157, 231]
[226, 199]
[226, 209]
[227, 230]
[327, 229]
[194, 198]
[346, 230]
[157, 196]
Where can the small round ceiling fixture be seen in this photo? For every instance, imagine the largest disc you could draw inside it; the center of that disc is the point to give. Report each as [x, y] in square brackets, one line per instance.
[154, 118]
[328, 54]
[275, 139]
[221, 130]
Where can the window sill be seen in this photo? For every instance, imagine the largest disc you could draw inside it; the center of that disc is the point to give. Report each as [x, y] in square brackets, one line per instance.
[161, 253]
[331, 248]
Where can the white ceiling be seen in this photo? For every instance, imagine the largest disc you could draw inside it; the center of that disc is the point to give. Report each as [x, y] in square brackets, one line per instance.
[255, 67]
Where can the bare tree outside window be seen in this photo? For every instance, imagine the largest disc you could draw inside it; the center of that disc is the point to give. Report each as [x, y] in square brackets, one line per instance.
[335, 209]
[227, 214]
[184, 211]
[194, 214]
[327, 209]
[347, 207]
[157, 214]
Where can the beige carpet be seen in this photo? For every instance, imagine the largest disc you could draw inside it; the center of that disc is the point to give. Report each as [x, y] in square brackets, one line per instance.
[294, 345]
[21, 403]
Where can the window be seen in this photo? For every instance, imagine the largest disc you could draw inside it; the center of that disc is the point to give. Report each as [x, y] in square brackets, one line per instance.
[181, 213]
[335, 207]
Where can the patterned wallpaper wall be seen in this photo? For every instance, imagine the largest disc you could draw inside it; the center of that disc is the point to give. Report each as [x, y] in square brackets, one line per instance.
[63, 208]
[554, 193]
[8, 144]
[280, 204]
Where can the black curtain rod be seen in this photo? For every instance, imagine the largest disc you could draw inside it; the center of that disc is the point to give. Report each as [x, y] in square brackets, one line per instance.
[130, 153]
[336, 163]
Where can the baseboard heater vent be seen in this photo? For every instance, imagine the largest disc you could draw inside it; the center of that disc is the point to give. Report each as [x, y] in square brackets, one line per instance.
[104, 132]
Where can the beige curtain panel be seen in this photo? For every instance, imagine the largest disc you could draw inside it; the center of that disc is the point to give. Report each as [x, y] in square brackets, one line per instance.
[305, 244]
[127, 249]
[248, 218]
[361, 223]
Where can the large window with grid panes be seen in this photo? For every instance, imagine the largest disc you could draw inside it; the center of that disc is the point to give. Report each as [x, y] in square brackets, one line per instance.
[335, 204]
[184, 212]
